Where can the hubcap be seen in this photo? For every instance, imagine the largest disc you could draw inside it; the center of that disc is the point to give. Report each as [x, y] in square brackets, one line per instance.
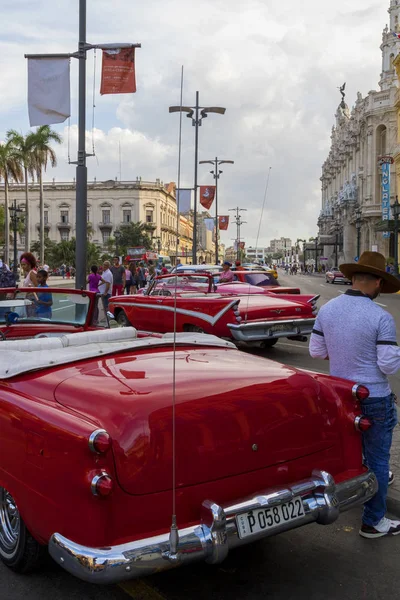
[9, 523]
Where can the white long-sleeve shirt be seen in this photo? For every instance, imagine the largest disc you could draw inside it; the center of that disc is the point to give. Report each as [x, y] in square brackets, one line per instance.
[359, 338]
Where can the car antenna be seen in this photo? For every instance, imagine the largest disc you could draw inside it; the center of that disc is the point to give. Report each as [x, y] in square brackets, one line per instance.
[173, 552]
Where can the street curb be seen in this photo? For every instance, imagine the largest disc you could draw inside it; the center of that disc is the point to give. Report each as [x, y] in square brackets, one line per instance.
[393, 502]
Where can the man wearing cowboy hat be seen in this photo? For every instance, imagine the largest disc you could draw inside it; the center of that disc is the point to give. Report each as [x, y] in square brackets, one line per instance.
[359, 339]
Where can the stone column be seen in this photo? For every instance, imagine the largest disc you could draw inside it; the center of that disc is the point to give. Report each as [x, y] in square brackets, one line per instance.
[349, 242]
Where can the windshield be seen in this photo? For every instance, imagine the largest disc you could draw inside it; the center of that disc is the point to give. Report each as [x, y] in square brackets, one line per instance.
[40, 306]
[261, 279]
[189, 284]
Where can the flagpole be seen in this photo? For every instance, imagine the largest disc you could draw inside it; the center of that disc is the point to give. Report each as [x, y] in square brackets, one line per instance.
[81, 169]
[216, 210]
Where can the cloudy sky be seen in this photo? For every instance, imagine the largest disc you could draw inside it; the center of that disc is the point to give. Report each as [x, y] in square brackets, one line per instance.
[275, 66]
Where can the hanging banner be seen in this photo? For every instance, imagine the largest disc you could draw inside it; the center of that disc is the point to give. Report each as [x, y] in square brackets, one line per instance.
[49, 97]
[118, 71]
[209, 223]
[183, 198]
[223, 222]
[385, 194]
[207, 195]
[242, 245]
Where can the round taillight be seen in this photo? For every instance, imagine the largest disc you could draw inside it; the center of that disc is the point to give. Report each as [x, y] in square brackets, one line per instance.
[102, 485]
[360, 392]
[99, 441]
[362, 423]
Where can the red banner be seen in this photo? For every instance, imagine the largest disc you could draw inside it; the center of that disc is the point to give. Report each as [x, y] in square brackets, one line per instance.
[223, 222]
[242, 245]
[118, 71]
[207, 194]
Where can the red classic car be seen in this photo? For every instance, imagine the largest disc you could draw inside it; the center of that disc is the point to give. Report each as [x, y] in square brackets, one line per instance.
[90, 424]
[189, 299]
[23, 314]
[334, 275]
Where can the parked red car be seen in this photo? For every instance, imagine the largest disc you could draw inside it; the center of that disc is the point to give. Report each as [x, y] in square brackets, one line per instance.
[334, 275]
[260, 319]
[88, 434]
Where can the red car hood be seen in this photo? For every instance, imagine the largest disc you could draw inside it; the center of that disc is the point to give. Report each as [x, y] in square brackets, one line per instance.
[234, 413]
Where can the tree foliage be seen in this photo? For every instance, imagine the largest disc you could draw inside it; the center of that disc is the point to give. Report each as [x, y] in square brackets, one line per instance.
[131, 235]
[65, 253]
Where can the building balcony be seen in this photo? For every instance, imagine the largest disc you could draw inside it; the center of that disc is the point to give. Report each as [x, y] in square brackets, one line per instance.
[64, 225]
[105, 225]
[47, 226]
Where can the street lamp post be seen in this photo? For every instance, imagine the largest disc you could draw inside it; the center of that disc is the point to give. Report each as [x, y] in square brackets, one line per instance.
[316, 254]
[15, 217]
[216, 173]
[396, 211]
[336, 229]
[358, 226]
[196, 113]
[239, 223]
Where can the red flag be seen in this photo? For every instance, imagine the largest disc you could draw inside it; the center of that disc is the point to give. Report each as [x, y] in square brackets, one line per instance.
[118, 71]
[207, 194]
[223, 222]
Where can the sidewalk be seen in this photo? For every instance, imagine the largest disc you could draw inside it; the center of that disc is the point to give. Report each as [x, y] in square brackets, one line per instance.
[393, 499]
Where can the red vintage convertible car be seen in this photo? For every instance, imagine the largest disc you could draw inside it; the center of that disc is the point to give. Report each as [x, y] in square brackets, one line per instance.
[190, 299]
[90, 423]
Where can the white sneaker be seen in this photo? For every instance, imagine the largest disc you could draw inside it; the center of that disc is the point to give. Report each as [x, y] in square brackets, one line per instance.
[384, 527]
[391, 477]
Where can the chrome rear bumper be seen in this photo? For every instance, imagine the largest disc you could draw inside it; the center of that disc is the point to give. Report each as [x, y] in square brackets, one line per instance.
[215, 535]
[269, 330]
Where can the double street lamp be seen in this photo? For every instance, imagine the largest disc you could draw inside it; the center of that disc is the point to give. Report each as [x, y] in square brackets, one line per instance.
[396, 212]
[15, 217]
[197, 114]
[216, 173]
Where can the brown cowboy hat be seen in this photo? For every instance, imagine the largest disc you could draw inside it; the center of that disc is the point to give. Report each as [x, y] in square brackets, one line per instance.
[374, 264]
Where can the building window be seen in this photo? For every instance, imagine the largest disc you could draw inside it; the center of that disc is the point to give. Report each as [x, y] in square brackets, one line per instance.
[64, 216]
[106, 236]
[46, 217]
[126, 216]
[22, 239]
[64, 235]
[149, 216]
[106, 216]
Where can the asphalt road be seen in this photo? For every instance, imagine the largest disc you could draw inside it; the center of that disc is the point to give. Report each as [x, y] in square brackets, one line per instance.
[315, 562]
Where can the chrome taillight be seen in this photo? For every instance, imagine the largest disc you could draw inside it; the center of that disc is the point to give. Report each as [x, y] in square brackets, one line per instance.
[102, 485]
[361, 392]
[362, 423]
[99, 441]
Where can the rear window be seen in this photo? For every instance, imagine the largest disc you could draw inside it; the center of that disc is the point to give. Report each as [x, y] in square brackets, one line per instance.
[260, 279]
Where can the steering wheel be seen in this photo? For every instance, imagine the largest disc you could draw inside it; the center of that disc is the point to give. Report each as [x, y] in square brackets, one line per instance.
[166, 293]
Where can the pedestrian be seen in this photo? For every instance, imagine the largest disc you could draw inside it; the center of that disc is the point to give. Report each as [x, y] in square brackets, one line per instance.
[94, 279]
[141, 275]
[44, 300]
[106, 285]
[150, 275]
[238, 265]
[227, 275]
[164, 270]
[118, 273]
[134, 278]
[62, 270]
[128, 280]
[67, 273]
[28, 264]
[359, 339]
[7, 277]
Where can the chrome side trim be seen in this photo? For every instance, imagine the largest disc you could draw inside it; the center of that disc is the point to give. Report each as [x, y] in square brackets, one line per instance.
[252, 331]
[92, 437]
[354, 390]
[215, 534]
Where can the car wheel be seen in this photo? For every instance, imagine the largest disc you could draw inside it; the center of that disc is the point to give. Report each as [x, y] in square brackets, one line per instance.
[18, 549]
[269, 343]
[123, 320]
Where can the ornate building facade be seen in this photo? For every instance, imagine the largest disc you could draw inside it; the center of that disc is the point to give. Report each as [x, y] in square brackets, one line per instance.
[351, 218]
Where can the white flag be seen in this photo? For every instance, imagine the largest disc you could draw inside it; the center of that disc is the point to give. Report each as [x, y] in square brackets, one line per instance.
[49, 99]
[183, 198]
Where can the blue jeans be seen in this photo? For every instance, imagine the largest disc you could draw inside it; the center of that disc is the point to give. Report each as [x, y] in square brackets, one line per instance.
[376, 449]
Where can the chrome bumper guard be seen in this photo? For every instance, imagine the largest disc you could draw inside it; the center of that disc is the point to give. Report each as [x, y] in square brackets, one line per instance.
[269, 330]
[217, 533]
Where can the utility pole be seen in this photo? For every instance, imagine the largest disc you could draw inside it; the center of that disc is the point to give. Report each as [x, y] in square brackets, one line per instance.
[239, 223]
[216, 173]
[81, 169]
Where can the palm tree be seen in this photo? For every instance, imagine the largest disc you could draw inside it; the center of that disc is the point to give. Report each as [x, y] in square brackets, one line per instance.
[10, 169]
[24, 147]
[42, 154]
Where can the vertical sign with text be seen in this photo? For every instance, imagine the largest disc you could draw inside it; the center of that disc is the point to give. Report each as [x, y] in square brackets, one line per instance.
[386, 195]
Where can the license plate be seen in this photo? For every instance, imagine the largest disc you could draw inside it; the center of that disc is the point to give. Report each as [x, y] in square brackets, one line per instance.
[277, 328]
[262, 519]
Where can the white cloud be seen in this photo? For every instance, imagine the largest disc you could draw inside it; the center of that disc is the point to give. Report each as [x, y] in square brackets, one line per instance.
[274, 66]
